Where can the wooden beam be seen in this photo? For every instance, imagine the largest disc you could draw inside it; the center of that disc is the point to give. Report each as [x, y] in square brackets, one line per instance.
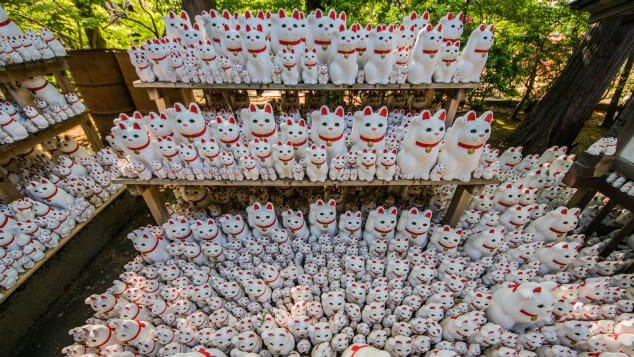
[292, 183]
[614, 242]
[19, 71]
[457, 206]
[92, 134]
[8, 191]
[155, 203]
[455, 97]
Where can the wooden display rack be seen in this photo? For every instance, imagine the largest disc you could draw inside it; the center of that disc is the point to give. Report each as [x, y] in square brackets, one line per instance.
[161, 92]
[149, 190]
[10, 85]
[49, 253]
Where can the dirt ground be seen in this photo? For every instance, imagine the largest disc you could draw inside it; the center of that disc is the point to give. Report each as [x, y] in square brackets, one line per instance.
[50, 334]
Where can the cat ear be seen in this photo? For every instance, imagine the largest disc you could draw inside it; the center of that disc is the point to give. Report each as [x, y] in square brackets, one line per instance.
[471, 116]
[281, 14]
[450, 16]
[193, 108]
[296, 14]
[383, 112]
[339, 111]
[136, 126]
[268, 108]
[324, 110]
[426, 115]
[253, 108]
[443, 114]
[488, 116]
[342, 28]
[367, 110]
[342, 16]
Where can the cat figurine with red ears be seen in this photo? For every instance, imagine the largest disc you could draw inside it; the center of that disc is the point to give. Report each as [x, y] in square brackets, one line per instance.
[287, 32]
[323, 218]
[343, 66]
[474, 56]
[321, 27]
[452, 27]
[260, 123]
[328, 128]
[174, 24]
[262, 219]
[258, 55]
[421, 145]
[368, 129]
[379, 64]
[137, 141]
[190, 124]
[464, 144]
[46, 191]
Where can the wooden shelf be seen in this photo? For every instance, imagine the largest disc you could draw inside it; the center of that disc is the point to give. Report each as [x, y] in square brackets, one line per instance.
[294, 183]
[18, 147]
[305, 87]
[19, 71]
[50, 252]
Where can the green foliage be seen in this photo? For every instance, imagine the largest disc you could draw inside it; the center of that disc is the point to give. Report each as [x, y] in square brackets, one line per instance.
[533, 37]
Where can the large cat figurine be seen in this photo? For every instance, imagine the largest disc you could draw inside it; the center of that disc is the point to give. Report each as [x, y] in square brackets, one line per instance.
[421, 145]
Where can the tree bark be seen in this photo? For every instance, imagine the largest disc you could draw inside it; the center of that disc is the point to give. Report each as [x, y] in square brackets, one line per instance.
[614, 103]
[560, 115]
[195, 7]
[627, 113]
[312, 5]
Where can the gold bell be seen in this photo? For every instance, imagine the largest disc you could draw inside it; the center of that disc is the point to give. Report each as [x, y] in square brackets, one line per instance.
[383, 234]
[428, 149]
[262, 159]
[324, 47]
[534, 318]
[447, 63]
[471, 151]
[329, 143]
[285, 163]
[346, 56]
[370, 144]
[235, 53]
[432, 55]
[295, 148]
[325, 226]
[255, 55]
[318, 166]
[484, 54]
[289, 47]
[263, 229]
[136, 152]
[559, 235]
[446, 249]
[190, 140]
[383, 56]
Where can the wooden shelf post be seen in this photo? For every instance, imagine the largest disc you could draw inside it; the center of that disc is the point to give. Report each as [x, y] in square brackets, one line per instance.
[455, 96]
[154, 201]
[458, 204]
[8, 191]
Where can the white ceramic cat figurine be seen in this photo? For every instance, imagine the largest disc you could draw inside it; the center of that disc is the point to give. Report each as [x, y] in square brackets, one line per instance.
[227, 131]
[309, 66]
[290, 71]
[297, 133]
[424, 57]
[158, 55]
[190, 123]
[12, 127]
[421, 144]
[446, 67]
[328, 128]
[379, 65]
[366, 164]
[136, 141]
[474, 56]
[452, 27]
[287, 32]
[368, 129]
[321, 26]
[386, 165]
[317, 163]
[322, 218]
[343, 66]
[260, 123]
[258, 55]
[284, 158]
[231, 42]
[464, 145]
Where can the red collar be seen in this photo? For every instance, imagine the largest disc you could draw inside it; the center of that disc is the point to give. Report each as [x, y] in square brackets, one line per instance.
[330, 139]
[8, 244]
[170, 156]
[424, 145]
[258, 51]
[449, 60]
[9, 122]
[212, 238]
[138, 148]
[489, 248]
[384, 232]
[347, 52]
[296, 229]
[193, 158]
[528, 314]
[153, 248]
[263, 135]
[159, 59]
[209, 59]
[39, 88]
[318, 163]
[234, 49]
[430, 52]
[204, 353]
[382, 52]
[290, 43]
[325, 222]
[200, 200]
[302, 143]
[414, 234]
[465, 146]
[386, 165]
[74, 150]
[322, 43]
[185, 237]
[212, 157]
[368, 166]
[177, 67]
[202, 132]
[51, 40]
[481, 51]
[556, 231]
[367, 140]
[141, 326]
[401, 63]
[216, 40]
[272, 280]
[5, 22]
[289, 67]
[448, 39]
[107, 339]
[446, 247]
[310, 65]
[268, 226]
[52, 195]
[285, 160]
[227, 142]
[559, 263]
[361, 49]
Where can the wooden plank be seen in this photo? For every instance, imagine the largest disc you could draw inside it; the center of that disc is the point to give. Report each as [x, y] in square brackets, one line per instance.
[20, 71]
[155, 203]
[457, 206]
[292, 183]
[305, 87]
[596, 221]
[8, 191]
[92, 134]
[455, 97]
[49, 253]
[64, 83]
[21, 146]
[614, 242]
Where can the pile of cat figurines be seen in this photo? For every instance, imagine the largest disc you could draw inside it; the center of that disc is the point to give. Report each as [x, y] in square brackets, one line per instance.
[187, 143]
[17, 123]
[18, 47]
[62, 184]
[345, 276]
[290, 48]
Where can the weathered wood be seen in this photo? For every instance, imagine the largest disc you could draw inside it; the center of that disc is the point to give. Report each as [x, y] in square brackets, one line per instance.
[18, 147]
[457, 206]
[614, 242]
[306, 87]
[155, 203]
[64, 83]
[596, 221]
[455, 97]
[20, 71]
[292, 183]
[49, 253]
[92, 134]
[8, 191]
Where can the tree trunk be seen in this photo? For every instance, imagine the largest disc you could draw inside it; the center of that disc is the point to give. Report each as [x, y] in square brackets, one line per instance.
[614, 103]
[531, 82]
[195, 7]
[627, 113]
[560, 115]
[93, 34]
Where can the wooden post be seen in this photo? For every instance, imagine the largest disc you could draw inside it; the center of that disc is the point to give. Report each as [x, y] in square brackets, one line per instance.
[582, 197]
[92, 134]
[8, 191]
[154, 95]
[614, 242]
[154, 201]
[65, 84]
[429, 97]
[454, 96]
[596, 221]
[458, 204]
